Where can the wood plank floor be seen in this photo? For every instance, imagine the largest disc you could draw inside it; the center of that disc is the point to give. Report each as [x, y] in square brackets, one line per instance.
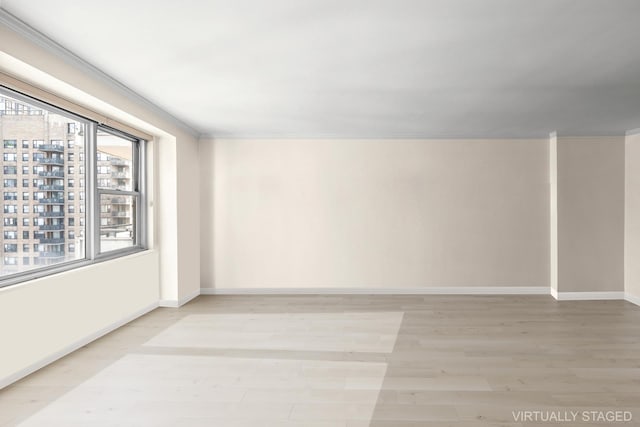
[392, 361]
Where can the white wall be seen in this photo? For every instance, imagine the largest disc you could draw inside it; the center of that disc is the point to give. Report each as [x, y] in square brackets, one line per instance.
[57, 312]
[374, 213]
[632, 218]
[47, 316]
[590, 214]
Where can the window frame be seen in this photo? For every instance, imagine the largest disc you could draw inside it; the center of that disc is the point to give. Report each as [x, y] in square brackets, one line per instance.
[92, 254]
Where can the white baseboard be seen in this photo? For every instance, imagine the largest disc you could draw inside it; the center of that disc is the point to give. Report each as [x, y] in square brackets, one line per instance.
[179, 303]
[587, 296]
[554, 293]
[74, 346]
[460, 290]
[632, 299]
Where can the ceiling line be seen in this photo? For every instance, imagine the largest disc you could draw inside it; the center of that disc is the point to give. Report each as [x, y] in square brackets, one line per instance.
[22, 28]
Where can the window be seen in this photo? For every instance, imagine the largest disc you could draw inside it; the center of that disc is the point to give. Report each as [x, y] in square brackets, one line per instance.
[54, 221]
[119, 196]
[10, 209]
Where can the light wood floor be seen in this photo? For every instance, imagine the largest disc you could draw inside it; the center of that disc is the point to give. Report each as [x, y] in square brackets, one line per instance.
[353, 361]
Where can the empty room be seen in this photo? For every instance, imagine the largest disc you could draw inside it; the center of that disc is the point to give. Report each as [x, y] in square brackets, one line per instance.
[320, 213]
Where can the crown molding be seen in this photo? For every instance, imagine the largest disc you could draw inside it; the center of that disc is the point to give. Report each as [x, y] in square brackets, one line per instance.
[25, 30]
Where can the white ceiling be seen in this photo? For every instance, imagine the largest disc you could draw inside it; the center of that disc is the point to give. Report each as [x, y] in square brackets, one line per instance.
[365, 68]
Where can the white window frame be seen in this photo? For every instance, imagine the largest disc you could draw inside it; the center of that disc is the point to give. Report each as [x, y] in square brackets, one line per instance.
[92, 195]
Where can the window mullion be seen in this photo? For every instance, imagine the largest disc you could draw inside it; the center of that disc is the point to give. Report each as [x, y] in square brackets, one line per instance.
[92, 197]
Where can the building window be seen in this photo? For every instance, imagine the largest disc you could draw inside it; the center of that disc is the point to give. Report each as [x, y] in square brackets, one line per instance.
[10, 235]
[52, 220]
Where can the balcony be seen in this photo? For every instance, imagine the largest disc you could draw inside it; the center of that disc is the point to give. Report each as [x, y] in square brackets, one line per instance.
[51, 161]
[51, 187]
[119, 214]
[120, 175]
[52, 201]
[51, 227]
[52, 214]
[51, 254]
[57, 241]
[119, 162]
[53, 174]
[51, 148]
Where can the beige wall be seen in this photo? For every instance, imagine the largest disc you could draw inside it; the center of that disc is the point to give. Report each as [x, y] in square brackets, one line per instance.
[590, 190]
[632, 217]
[374, 213]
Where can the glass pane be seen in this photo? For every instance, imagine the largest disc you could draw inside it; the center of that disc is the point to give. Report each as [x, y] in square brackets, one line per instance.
[43, 214]
[115, 162]
[117, 222]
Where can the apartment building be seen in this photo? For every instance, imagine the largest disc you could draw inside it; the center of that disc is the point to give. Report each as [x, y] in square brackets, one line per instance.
[44, 209]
